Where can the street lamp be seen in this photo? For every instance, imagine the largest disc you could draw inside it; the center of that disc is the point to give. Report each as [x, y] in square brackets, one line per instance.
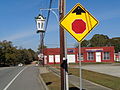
[40, 24]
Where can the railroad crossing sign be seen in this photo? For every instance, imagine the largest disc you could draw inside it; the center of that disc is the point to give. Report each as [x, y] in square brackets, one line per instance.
[78, 22]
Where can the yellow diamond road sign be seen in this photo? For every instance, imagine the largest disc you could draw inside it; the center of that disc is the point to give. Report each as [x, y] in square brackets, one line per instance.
[78, 22]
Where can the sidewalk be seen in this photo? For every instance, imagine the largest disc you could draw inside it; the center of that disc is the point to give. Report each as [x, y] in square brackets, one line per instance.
[43, 70]
[87, 85]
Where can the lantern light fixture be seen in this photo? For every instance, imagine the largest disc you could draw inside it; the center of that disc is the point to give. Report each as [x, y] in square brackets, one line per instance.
[40, 23]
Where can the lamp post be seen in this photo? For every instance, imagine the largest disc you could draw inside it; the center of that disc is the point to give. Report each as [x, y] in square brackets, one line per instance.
[40, 23]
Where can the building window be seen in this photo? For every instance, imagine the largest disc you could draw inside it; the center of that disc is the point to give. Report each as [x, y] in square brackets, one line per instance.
[106, 56]
[81, 58]
[90, 56]
[70, 51]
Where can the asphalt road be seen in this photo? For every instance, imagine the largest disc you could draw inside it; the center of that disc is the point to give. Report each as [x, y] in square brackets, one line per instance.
[20, 78]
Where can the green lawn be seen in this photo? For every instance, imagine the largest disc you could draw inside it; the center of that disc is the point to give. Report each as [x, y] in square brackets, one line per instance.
[83, 63]
[102, 79]
[53, 82]
[99, 78]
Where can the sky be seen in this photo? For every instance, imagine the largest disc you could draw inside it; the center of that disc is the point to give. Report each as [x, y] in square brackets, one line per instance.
[17, 21]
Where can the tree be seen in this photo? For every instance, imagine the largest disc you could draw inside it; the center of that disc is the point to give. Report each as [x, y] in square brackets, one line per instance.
[84, 43]
[10, 55]
[33, 53]
[40, 48]
[1, 52]
[6, 45]
[99, 40]
[114, 42]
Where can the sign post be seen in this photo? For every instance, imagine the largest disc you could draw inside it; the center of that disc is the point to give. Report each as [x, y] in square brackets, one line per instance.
[80, 66]
[79, 23]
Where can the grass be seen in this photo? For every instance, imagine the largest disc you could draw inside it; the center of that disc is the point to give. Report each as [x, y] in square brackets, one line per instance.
[102, 79]
[53, 82]
[99, 78]
[83, 63]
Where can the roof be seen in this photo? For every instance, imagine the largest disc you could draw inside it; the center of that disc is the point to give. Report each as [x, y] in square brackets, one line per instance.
[56, 51]
[40, 17]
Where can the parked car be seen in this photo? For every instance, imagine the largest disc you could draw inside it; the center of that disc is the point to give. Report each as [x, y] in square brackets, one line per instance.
[20, 64]
[36, 64]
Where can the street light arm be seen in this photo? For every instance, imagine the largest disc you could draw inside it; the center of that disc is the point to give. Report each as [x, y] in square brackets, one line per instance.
[55, 15]
[48, 9]
[52, 10]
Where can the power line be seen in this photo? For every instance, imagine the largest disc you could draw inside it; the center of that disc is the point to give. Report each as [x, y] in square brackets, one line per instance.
[43, 34]
[48, 15]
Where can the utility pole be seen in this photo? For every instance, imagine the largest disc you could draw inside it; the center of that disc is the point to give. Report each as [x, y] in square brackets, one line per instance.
[66, 60]
[63, 63]
[40, 20]
[42, 46]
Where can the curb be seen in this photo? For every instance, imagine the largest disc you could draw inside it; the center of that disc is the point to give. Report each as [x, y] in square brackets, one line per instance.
[42, 81]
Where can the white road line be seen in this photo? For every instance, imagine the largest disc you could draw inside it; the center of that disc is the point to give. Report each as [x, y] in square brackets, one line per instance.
[14, 79]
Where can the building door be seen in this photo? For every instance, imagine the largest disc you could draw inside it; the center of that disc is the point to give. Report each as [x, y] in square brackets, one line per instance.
[98, 56]
[51, 59]
[45, 59]
[57, 58]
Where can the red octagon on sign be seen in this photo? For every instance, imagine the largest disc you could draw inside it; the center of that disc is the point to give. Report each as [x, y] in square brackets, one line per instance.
[78, 26]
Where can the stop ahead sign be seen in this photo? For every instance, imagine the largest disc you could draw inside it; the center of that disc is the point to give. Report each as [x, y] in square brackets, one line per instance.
[78, 22]
[78, 26]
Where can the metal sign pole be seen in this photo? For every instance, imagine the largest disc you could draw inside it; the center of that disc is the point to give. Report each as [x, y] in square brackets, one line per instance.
[66, 69]
[65, 42]
[80, 65]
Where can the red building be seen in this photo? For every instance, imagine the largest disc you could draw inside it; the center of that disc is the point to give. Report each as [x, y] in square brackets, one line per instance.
[117, 57]
[88, 54]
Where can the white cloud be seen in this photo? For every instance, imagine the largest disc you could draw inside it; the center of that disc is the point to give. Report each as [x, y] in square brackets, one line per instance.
[18, 36]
